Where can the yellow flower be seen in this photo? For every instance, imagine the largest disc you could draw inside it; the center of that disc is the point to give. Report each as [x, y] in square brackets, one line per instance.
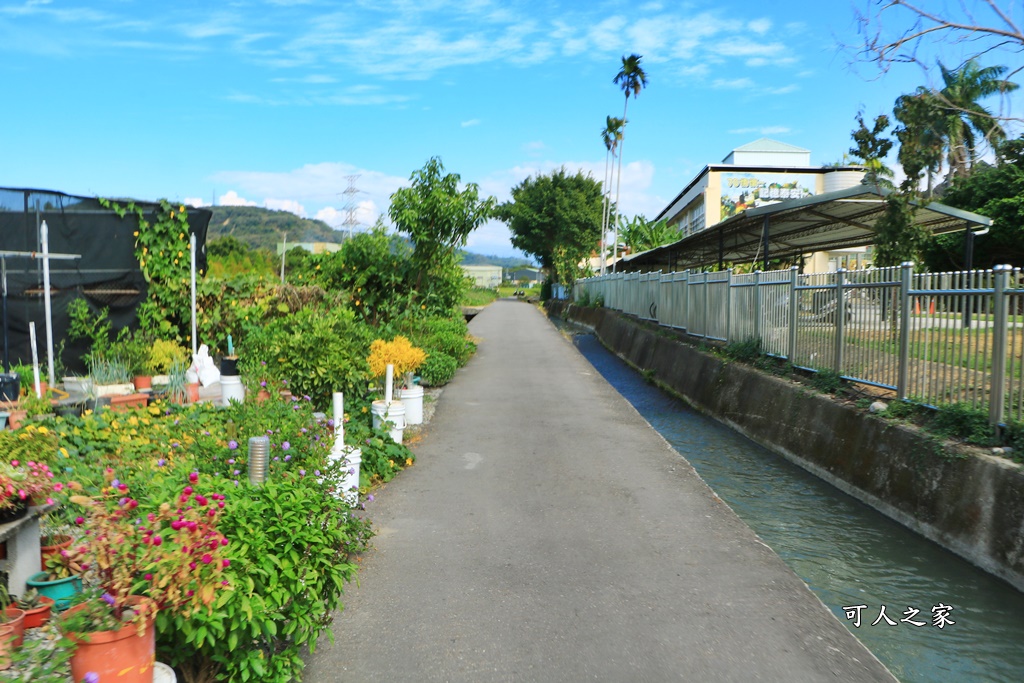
[136, 233]
[63, 451]
[142, 263]
[43, 430]
[180, 254]
[181, 208]
[181, 236]
[408, 462]
[172, 213]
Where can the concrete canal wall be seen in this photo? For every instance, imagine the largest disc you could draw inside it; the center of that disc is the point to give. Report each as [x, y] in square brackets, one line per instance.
[973, 506]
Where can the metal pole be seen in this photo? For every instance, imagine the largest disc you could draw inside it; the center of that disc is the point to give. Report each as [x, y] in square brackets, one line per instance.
[7, 356]
[1000, 319]
[44, 236]
[906, 273]
[284, 250]
[35, 360]
[764, 237]
[794, 319]
[757, 305]
[195, 335]
[840, 321]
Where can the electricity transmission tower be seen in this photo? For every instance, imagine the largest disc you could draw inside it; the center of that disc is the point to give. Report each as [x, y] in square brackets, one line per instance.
[351, 205]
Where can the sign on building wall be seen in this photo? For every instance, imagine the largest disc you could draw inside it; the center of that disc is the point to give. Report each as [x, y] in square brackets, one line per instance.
[741, 191]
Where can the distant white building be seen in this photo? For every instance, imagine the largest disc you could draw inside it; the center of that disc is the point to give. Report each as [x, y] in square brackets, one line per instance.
[483, 276]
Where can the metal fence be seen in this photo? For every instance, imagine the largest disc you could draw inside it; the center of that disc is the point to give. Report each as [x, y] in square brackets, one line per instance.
[933, 338]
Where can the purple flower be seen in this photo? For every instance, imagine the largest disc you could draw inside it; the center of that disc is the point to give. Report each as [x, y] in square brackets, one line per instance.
[369, 497]
[177, 421]
[316, 472]
[263, 363]
[351, 470]
[115, 483]
[109, 599]
[237, 472]
[161, 462]
[303, 430]
[231, 461]
[295, 407]
[232, 444]
[91, 677]
[285, 446]
[302, 472]
[306, 398]
[236, 482]
[287, 458]
[330, 422]
[263, 382]
[276, 458]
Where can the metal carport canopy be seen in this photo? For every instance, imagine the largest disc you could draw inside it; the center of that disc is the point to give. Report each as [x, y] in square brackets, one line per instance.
[833, 220]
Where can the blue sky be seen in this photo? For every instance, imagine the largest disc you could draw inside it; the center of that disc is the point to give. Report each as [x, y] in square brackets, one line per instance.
[274, 102]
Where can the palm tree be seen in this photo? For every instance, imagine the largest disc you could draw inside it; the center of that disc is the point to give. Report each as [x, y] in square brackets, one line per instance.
[610, 135]
[632, 79]
[963, 115]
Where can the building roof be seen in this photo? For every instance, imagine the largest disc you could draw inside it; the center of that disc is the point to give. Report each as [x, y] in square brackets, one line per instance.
[769, 145]
[824, 222]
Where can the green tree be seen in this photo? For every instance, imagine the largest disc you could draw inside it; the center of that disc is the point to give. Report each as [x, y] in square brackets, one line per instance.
[871, 146]
[996, 191]
[437, 216]
[611, 135]
[632, 79]
[556, 218]
[641, 234]
[959, 105]
[920, 136]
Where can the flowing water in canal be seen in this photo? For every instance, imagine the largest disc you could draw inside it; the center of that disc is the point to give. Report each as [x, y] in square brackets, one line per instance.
[847, 553]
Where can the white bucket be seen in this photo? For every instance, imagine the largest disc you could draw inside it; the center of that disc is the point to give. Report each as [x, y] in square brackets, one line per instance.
[163, 673]
[395, 414]
[413, 401]
[231, 389]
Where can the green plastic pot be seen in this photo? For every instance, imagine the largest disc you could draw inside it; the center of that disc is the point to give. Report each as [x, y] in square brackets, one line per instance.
[60, 590]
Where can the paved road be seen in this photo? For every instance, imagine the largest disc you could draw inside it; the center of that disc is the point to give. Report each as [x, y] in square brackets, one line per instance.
[548, 533]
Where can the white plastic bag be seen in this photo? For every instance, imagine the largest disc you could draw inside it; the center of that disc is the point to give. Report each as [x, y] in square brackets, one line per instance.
[204, 367]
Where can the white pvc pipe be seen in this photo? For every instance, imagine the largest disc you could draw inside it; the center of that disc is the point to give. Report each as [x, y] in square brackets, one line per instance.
[44, 237]
[35, 360]
[195, 335]
[389, 380]
[339, 419]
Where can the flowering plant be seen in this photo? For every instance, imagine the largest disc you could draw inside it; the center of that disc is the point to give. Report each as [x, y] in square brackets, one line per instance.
[170, 554]
[398, 352]
[21, 481]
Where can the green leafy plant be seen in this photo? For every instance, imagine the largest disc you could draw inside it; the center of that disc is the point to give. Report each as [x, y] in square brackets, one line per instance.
[94, 328]
[827, 381]
[438, 369]
[104, 370]
[162, 354]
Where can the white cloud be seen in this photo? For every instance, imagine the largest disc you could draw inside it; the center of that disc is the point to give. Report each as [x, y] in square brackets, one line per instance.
[765, 130]
[760, 26]
[289, 205]
[470, 123]
[231, 198]
[732, 84]
[195, 201]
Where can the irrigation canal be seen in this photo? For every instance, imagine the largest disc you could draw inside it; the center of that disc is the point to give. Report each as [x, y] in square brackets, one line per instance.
[847, 553]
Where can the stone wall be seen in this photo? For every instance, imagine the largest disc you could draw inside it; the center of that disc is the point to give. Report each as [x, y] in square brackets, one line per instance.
[973, 506]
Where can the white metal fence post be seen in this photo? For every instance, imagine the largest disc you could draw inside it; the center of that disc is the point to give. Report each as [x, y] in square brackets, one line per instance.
[793, 318]
[840, 321]
[1000, 324]
[903, 374]
[757, 305]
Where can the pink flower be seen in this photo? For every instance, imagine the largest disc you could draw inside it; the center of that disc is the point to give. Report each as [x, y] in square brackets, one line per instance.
[157, 540]
[58, 486]
[227, 563]
[193, 477]
[207, 559]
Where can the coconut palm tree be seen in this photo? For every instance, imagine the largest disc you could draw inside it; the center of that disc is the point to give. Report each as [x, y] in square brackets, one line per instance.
[610, 135]
[959, 102]
[632, 79]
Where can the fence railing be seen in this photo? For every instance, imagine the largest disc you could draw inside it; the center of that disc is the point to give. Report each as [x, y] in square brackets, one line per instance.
[933, 338]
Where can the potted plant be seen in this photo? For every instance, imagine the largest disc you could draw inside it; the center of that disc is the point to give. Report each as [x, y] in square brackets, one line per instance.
[54, 533]
[405, 359]
[110, 377]
[37, 608]
[177, 383]
[162, 354]
[9, 614]
[61, 580]
[133, 349]
[18, 484]
[166, 558]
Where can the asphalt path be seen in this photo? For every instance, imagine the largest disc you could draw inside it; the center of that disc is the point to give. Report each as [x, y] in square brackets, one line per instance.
[548, 533]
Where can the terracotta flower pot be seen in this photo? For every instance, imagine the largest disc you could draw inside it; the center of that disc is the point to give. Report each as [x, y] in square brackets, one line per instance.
[6, 645]
[123, 655]
[16, 618]
[51, 545]
[262, 396]
[37, 616]
[193, 392]
[122, 404]
[16, 417]
[142, 382]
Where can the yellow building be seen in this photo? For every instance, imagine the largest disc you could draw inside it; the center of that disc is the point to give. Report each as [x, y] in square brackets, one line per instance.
[762, 172]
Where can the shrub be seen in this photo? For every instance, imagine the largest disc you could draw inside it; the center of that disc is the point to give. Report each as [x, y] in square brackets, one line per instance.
[319, 351]
[438, 369]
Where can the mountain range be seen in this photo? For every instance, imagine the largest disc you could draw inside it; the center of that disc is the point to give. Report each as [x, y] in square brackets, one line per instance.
[263, 229]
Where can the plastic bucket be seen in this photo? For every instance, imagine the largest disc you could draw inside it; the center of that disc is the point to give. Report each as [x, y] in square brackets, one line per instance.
[231, 389]
[412, 399]
[394, 413]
